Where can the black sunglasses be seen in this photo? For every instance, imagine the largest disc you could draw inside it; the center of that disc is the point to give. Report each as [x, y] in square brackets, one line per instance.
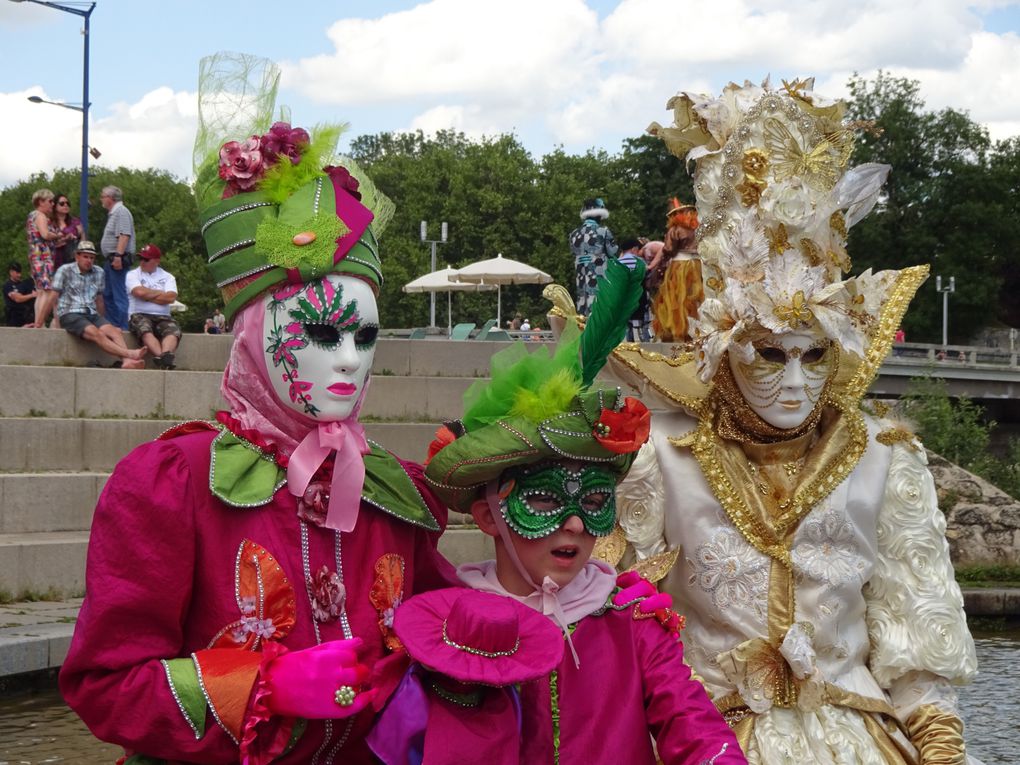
[63, 202]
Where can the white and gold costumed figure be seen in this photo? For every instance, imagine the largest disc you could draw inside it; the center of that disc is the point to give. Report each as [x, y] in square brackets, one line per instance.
[798, 534]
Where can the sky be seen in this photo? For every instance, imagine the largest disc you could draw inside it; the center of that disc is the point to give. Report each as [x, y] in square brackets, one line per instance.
[576, 74]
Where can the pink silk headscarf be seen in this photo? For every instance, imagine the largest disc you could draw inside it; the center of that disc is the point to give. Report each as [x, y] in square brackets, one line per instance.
[307, 442]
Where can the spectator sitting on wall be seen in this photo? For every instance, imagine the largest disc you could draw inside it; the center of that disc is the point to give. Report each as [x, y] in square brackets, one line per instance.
[151, 291]
[80, 307]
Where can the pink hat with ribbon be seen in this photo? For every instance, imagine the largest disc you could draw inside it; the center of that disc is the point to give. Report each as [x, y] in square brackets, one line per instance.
[478, 637]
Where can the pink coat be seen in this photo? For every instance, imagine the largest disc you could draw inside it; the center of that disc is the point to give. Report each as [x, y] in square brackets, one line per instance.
[632, 681]
[162, 582]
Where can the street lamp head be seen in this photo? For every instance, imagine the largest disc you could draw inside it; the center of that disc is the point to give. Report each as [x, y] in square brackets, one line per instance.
[33, 99]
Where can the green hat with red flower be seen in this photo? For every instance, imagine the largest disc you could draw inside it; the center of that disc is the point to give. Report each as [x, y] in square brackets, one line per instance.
[276, 203]
[541, 406]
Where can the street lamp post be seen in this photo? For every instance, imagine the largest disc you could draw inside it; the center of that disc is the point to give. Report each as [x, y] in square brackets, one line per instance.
[85, 11]
[433, 242]
[945, 305]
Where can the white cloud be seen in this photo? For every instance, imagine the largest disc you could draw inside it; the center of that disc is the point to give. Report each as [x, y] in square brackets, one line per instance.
[156, 131]
[526, 55]
[473, 121]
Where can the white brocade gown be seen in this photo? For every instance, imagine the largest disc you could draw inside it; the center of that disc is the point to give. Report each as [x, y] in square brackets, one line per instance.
[822, 658]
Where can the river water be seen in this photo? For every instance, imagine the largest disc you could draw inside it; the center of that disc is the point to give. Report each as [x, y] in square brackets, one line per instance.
[37, 728]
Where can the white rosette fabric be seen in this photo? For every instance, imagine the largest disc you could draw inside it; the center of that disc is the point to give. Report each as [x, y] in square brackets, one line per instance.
[641, 505]
[915, 607]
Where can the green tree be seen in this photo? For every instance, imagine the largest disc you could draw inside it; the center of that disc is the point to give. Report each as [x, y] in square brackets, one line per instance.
[941, 205]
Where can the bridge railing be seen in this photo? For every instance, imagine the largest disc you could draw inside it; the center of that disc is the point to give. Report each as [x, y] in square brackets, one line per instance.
[970, 355]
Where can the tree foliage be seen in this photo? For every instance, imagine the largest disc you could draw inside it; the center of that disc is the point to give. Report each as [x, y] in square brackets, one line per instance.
[959, 430]
[950, 201]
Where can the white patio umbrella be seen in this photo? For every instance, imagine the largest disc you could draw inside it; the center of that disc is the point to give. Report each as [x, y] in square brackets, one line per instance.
[445, 280]
[500, 271]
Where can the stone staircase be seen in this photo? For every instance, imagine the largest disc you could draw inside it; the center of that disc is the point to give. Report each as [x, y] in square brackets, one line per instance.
[65, 422]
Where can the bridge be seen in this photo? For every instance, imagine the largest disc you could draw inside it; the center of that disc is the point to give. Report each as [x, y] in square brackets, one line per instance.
[983, 374]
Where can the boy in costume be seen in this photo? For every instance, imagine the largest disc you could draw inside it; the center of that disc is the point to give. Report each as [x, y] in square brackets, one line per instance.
[801, 535]
[535, 460]
[243, 573]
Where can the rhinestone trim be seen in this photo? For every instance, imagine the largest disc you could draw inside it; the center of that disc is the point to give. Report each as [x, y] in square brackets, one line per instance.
[208, 701]
[217, 218]
[180, 704]
[231, 248]
[479, 651]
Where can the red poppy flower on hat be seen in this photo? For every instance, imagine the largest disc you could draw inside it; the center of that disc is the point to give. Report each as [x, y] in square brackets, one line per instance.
[444, 437]
[623, 432]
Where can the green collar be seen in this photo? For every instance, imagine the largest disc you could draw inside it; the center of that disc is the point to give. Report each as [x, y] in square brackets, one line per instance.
[242, 475]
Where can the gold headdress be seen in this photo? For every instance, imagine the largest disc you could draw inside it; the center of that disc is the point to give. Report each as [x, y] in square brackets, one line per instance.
[775, 201]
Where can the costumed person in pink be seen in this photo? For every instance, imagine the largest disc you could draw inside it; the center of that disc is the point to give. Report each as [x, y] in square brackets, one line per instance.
[243, 573]
[536, 460]
[460, 700]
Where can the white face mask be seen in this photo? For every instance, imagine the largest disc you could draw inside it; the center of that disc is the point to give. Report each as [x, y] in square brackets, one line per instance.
[320, 343]
[785, 381]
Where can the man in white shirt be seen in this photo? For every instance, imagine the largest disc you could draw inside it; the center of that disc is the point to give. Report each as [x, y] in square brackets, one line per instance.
[151, 290]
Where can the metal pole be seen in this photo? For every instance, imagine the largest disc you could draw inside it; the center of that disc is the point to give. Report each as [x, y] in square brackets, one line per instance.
[432, 314]
[83, 203]
[945, 318]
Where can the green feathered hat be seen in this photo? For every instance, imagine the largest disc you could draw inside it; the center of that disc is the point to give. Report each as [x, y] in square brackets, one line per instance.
[276, 205]
[540, 406]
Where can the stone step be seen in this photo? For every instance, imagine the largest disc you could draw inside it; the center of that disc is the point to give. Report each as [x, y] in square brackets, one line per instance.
[35, 444]
[197, 352]
[55, 561]
[33, 391]
[48, 502]
[44, 561]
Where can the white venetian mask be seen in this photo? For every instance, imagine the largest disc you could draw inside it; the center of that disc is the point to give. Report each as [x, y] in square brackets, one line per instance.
[784, 382]
[320, 343]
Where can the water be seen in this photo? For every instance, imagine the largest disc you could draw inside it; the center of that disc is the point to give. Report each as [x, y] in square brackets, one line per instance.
[37, 728]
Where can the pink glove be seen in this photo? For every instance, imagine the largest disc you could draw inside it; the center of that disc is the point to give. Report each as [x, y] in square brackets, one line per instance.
[654, 602]
[318, 683]
[634, 587]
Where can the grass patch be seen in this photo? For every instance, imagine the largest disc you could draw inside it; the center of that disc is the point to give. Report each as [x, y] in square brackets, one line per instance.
[31, 596]
[988, 576]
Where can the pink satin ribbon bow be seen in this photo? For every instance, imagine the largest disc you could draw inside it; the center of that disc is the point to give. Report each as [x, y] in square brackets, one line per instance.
[347, 440]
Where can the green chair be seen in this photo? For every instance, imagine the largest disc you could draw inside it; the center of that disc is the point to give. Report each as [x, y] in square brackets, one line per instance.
[462, 331]
[496, 334]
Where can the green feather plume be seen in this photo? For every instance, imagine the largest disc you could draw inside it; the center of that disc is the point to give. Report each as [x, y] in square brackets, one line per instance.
[283, 178]
[616, 298]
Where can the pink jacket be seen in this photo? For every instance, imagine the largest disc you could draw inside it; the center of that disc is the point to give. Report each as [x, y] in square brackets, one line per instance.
[169, 573]
[632, 681]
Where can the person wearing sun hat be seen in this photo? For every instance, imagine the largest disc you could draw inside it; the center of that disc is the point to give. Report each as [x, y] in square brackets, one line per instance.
[535, 459]
[679, 290]
[799, 532]
[243, 572]
[471, 650]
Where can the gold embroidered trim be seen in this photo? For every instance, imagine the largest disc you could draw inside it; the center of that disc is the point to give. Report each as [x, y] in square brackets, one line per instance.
[734, 491]
[656, 567]
[638, 359]
[611, 548]
[892, 436]
[889, 319]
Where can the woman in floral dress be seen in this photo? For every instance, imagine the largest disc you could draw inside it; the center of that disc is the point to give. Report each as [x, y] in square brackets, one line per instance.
[41, 237]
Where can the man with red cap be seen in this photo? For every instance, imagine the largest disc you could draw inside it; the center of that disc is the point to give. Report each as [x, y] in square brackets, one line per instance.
[151, 292]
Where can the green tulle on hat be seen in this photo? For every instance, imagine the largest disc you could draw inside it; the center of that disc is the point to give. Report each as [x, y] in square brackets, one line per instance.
[306, 214]
[540, 406]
